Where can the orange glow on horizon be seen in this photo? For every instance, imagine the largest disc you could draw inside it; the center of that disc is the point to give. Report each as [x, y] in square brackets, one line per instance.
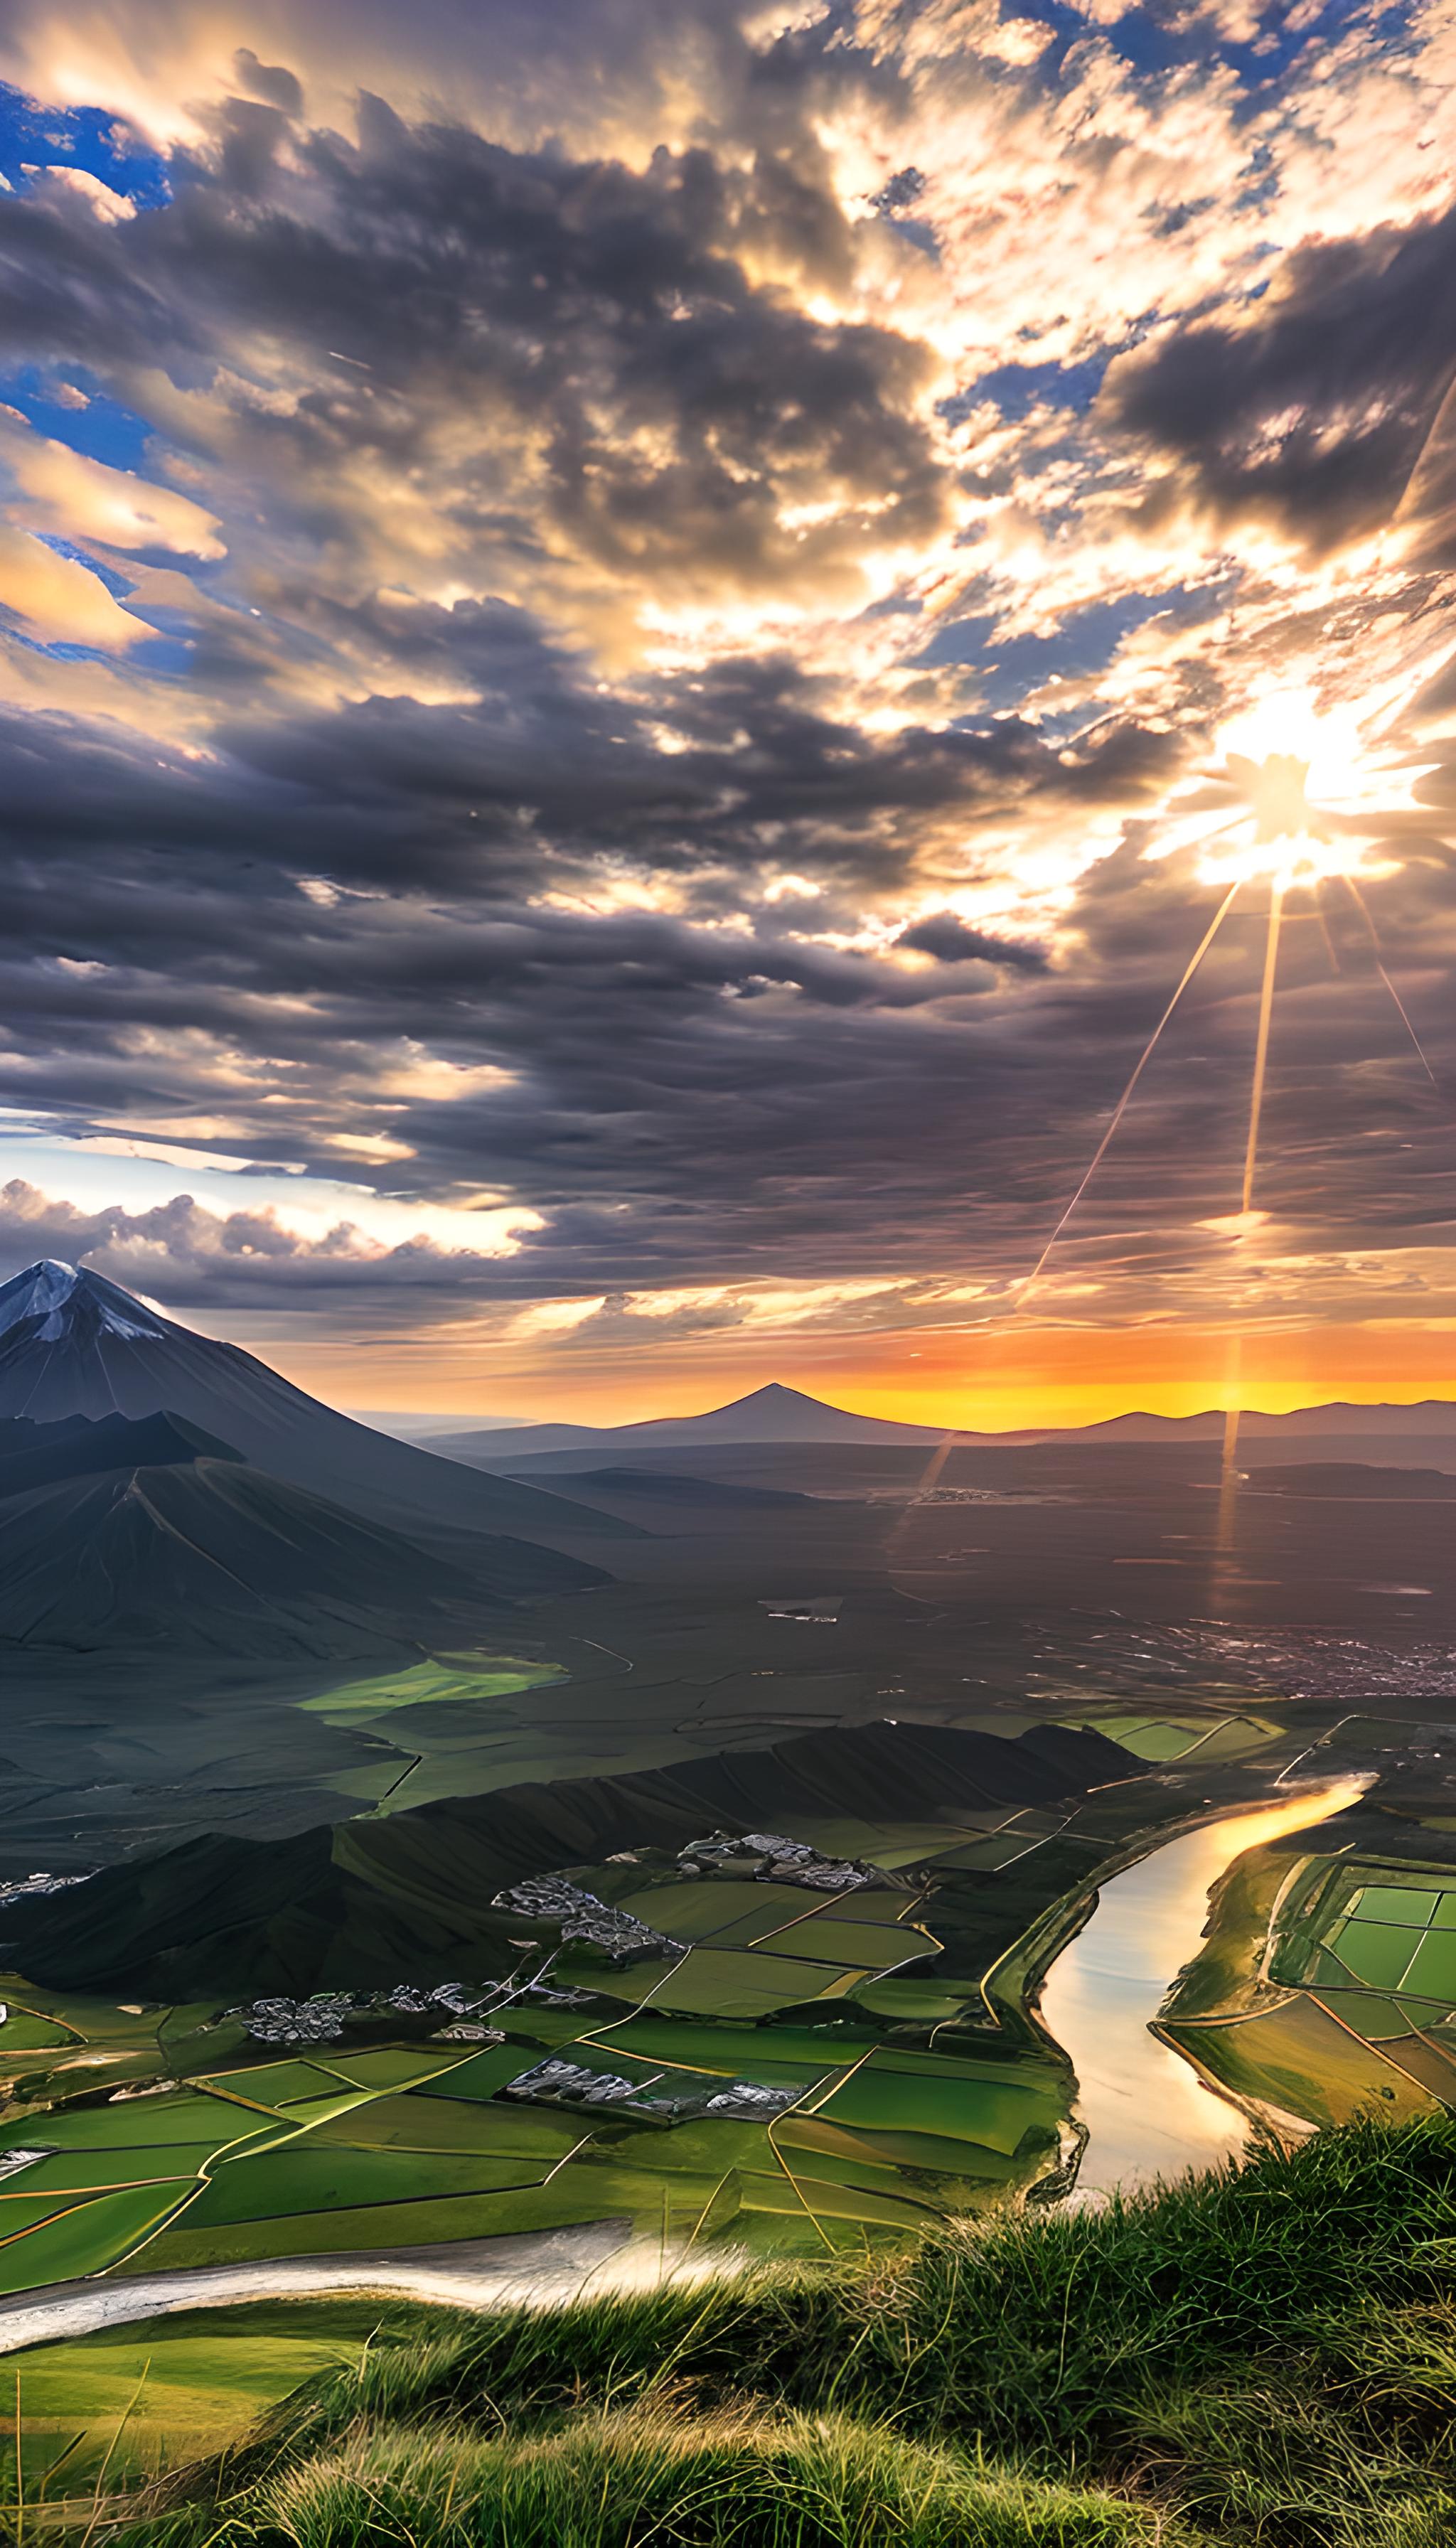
[995, 1380]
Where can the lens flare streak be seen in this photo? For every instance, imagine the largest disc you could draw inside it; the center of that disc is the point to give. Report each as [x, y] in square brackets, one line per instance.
[1279, 831]
[1029, 1282]
[1362, 908]
[1261, 1048]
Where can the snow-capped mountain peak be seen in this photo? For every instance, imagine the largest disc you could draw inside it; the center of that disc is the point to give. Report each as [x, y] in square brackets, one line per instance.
[62, 1296]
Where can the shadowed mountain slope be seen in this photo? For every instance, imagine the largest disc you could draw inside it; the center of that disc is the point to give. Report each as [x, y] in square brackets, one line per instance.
[1357, 1482]
[72, 1343]
[34, 1455]
[208, 1557]
[409, 1895]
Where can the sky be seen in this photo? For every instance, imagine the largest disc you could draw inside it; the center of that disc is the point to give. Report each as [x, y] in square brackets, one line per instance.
[638, 640]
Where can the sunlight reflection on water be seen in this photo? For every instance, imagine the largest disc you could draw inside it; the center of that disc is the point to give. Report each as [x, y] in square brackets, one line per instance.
[1147, 2112]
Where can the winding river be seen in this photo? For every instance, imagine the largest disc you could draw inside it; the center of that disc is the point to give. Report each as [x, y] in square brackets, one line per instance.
[1147, 2112]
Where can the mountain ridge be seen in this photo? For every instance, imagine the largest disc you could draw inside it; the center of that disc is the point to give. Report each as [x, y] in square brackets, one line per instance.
[778, 1413]
[366, 1902]
[775, 1412]
[75, 1343]
[37, 1455]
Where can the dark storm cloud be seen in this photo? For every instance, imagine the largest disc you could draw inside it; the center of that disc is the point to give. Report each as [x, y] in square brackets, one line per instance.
[619, 383]
[534, 782]
[1311, 412]
[950, 938]
[847, 1118]
[764, 767]
[472, 877]
[683, 1099]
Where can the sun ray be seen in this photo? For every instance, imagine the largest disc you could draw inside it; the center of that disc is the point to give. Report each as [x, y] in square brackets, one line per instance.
[1229, 1476]
[1323, 917]
[1029, 1281]
[1229, 1467]
[1374, 950]
[1305, 801]
[1261, 1048]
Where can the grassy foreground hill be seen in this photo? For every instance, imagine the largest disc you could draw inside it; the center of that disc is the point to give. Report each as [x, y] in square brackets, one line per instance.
[1264, 2357]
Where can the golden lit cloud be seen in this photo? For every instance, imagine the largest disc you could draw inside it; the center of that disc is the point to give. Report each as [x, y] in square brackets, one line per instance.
[84, 499]
[59, 601]
[657, 679]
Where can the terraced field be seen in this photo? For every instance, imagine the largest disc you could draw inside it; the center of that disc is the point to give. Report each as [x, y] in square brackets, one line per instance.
[161, 2138]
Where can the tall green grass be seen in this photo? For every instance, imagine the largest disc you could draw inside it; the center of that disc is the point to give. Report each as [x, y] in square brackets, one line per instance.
[1264, 2356]
[723, 2481]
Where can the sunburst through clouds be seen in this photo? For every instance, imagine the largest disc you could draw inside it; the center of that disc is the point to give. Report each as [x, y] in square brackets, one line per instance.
[1294, 802]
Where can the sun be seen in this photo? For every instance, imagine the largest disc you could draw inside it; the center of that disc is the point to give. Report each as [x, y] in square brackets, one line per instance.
[1295, 793]
[1292, 797]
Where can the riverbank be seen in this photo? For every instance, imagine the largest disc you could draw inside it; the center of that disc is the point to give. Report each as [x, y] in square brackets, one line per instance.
[1147, 2111]
[1258, 2354]
[1090, 1976]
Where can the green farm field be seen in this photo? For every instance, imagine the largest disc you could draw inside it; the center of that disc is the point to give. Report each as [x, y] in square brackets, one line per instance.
[126, 2405]
[1246, 2356]
[1327, 1984]
[146, 2137]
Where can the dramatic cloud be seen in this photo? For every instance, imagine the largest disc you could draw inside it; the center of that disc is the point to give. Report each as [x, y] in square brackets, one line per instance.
[612, 640]
[1312, 409]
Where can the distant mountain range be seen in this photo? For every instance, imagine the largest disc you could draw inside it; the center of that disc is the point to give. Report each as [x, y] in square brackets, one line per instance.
[425, 1426]
[771, 1415]
[161, 1490]
[787, 1415]
[71, 1343]
[1428, 1416]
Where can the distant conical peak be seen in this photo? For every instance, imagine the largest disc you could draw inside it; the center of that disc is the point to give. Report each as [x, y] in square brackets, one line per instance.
[774, 1389]
[65, 1298]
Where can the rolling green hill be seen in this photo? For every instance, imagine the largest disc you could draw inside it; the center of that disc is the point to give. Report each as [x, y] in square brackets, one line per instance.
[395, 1898]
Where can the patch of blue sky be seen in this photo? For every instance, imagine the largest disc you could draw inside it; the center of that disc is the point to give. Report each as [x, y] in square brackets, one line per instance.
[1153, 45]
[1155, 42]
[1017, 388]
[117, 584]
[161, 654]
[58, 650]
[33, 135]
[97, 1172]
[1284, 33]
[102, 429]
[1081, 649]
